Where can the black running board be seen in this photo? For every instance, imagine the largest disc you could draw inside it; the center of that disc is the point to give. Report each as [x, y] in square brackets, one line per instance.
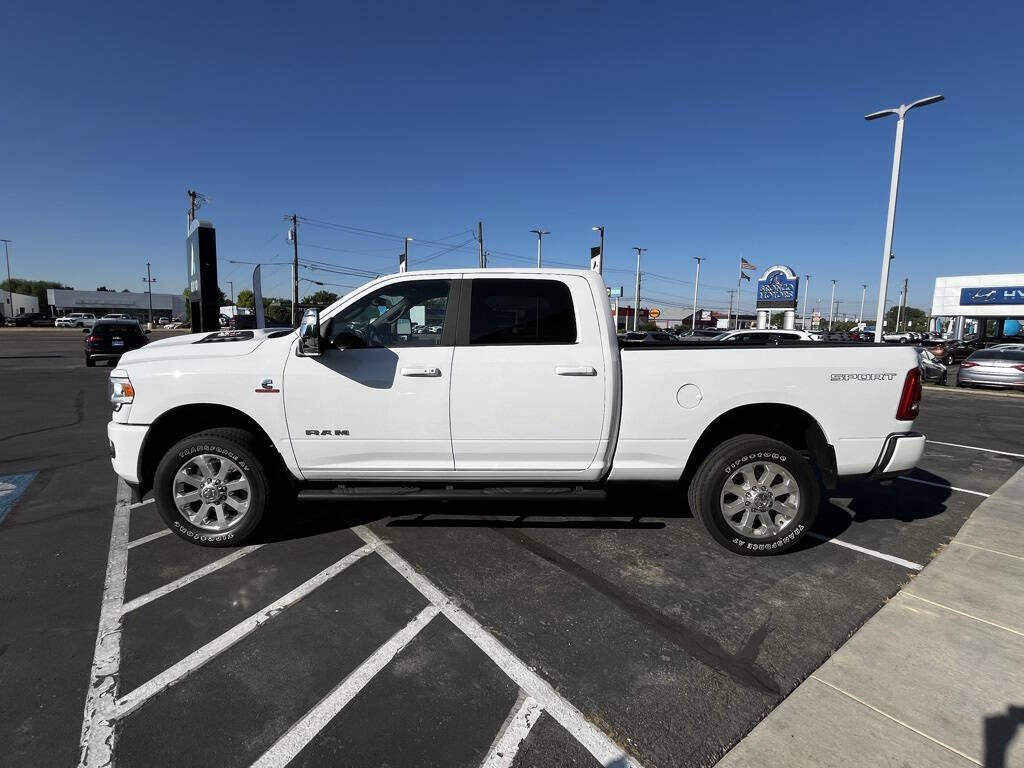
[493, 493]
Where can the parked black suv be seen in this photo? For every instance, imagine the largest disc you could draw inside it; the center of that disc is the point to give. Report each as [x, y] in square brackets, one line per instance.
[26, 319]
[109, 339]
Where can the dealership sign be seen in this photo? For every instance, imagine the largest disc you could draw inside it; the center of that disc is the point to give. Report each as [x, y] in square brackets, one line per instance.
[778, 288]
[1006, 294]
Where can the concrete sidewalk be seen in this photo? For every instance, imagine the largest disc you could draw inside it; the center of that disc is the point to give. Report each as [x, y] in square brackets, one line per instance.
[935, 678]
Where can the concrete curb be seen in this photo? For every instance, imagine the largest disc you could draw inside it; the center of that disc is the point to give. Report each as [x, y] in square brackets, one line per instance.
[936, 677]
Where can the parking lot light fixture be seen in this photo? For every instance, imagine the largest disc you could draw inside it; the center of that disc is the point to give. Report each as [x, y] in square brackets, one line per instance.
[901, 113]
[863, 293]
[10, 287]
[636, 292]
[807, 288]
[540, 236]
[600, 263]
[831, 305]
[696, 283]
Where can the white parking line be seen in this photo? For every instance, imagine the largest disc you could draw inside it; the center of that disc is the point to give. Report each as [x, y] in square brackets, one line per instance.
[188, 578]
[301, 733]
[97, 739]
[178, 672]
[864, 550]
[975, 448]
[146, 539]
[941, 485]
[524, 715]
[593, 739]
[142, 503]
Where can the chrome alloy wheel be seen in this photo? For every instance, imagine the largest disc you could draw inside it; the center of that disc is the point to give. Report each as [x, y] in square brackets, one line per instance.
[760, 499]
[211, 492]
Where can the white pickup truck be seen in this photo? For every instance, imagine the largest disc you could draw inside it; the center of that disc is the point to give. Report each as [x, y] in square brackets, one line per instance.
[501, 384]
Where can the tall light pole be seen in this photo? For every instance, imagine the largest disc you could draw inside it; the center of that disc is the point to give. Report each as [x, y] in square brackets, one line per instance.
[149, 280]
[10, 286]
[600, 262]
[807, 288]
[540, 236]
[696, 283]
[231, 287]
[863, 293]
[831, 305]
[894, 184]
[403, 257]
[636, 292]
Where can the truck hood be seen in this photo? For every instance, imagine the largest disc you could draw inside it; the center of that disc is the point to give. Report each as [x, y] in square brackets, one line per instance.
[205, 345]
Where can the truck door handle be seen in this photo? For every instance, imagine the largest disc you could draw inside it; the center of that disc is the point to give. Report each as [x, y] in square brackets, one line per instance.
[422, 372]
[575, 370]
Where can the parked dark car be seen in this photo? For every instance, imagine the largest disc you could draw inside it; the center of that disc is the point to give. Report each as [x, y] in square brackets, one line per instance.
[26, 319]
[949, 351]
[109, 339]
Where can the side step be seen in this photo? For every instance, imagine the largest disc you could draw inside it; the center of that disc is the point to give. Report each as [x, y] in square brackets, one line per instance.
[493, 493]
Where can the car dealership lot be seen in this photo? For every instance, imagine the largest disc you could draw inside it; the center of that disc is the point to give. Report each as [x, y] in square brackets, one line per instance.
[428, 633]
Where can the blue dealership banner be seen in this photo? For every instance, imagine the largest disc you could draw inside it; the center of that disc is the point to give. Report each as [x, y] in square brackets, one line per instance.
[1002, 294]
[778, 288]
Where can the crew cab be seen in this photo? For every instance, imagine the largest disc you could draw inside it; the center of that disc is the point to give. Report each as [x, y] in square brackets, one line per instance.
[501, 384]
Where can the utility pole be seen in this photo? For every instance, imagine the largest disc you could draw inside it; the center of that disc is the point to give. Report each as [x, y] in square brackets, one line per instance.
[10, 286]
[403, 257]
[636, 293]
[728, 323]
[480, 240]
[903, 302]
[807, 288]
[295, 268]
[894, 185]
[231, 286]
[540, 236]
[863, 293]
[831, 304]
[149, 280]
[696, 283]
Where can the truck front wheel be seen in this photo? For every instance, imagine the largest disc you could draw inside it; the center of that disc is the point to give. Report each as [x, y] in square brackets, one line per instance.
[755, 495]
[212, 488]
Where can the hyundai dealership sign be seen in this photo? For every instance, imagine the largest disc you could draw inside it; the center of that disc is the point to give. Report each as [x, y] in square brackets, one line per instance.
[1004, 294]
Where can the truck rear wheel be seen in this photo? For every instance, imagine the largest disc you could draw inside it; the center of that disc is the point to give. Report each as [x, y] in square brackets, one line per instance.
[755, 495]
[212, 488]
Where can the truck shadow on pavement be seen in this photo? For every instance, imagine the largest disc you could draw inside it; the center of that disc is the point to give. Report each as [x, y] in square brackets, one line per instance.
[998, 731]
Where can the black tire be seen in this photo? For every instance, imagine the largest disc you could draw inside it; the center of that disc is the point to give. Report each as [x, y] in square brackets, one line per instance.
[722, 465]
[236, 445]
[89, 362]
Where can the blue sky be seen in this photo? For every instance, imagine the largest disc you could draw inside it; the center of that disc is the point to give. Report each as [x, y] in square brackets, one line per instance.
[713, 130]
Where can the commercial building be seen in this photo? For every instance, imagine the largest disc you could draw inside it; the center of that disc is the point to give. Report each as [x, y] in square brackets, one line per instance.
[988, 306]
[22, 303]
[136, 305]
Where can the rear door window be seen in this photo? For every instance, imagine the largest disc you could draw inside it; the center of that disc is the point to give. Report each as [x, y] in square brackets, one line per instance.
[521, 312]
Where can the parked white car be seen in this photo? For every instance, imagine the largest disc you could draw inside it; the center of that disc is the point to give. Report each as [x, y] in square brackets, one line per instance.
[769, 335]
[76, 320]
[522, 392]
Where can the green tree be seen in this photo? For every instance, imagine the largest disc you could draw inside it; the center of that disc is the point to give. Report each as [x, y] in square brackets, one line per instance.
[911, 319]
[321, 298]
[35, 288]
[245, 299]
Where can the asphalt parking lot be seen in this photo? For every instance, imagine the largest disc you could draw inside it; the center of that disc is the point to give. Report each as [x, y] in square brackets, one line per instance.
[444, 634]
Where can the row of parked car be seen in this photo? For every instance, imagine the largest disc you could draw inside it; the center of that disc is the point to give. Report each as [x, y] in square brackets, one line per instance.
[74, 320]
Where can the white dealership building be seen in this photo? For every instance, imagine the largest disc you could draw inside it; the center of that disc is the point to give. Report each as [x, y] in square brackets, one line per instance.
[989, 306]
[135, 305]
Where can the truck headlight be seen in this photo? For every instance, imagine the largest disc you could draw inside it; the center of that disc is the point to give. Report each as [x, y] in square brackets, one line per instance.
[121, 390]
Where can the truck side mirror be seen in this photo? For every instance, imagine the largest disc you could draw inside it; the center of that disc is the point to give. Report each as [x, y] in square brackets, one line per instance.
[310, 343]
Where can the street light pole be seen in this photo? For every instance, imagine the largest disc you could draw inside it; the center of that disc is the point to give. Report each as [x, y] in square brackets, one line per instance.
[807, 288]
[636, 292]
[894, 184]
[149, 280]
[540, 236]
[600, 263]
[403, 259]
[863, 293]
[696, 283]
[10, 286]
[831, 305]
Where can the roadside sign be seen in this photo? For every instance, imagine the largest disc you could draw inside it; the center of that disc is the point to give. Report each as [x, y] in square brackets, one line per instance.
[655, 313]
[615, 293]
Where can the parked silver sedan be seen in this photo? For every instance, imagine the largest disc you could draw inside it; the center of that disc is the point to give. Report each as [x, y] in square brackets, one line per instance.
[992, 368]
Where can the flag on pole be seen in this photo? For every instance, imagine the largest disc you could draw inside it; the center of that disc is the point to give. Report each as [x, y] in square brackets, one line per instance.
[744, 276]
[744, 264]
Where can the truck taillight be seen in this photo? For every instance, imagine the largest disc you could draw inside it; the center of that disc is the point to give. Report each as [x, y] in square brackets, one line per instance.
[92, 339]
[910, 399]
